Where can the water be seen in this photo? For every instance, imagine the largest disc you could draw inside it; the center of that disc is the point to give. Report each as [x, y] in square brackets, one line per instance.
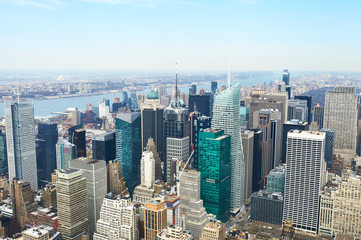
[43, 108]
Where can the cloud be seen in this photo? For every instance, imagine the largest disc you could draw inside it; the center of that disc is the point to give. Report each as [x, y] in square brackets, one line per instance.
[45, 4]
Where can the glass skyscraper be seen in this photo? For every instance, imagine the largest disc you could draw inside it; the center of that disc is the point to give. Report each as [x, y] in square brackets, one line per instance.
[330, 138]
[103, 146]
[215, 168]
[65, 151]
[129, 147]
[226, 116]
[3, 154]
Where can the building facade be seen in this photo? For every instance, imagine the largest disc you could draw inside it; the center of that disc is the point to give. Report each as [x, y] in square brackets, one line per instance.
[330, 139]
[248, 148]
[103, 147]
[177, 148]
[65, 152]
[155, 218]
[267, 207]
[147, 169]
[3, 154]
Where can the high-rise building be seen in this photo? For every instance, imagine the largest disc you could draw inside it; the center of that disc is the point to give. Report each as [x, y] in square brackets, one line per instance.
[277, 97]
[309, 105]
[65, 152]
[117, 219]
[286, 80]
[72, 204]
[129, 147]
[177, 148]
[276, 179]
[214, 87]
[257, 104]
[158, 164]
[147, 169]
[116, 183]
[3, 154]
[79, 140]
[298, 109]
[244, 111]
[200, 103]
[267, 207]
[330, 139]
[257, 160]
[215, 169]
[152, 123]
[103, 146]
[96, 185]
[155, 218]
[196, 218]
[288, 126]
[304, 178]
[214, 230]
[226, 117]
[341, 115]
[49, 134]
[248, 149]
[172, 203]
[318, 114]
[20, 142]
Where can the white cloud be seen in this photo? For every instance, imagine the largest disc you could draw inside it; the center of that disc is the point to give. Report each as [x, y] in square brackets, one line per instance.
[45, 4]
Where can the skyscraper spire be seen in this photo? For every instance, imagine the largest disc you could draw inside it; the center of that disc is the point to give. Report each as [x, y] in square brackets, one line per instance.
[176, 83]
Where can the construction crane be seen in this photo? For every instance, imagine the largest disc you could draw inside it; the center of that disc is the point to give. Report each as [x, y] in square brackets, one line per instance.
[180, 174]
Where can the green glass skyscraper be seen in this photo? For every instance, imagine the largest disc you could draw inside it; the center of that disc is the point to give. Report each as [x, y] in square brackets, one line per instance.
[215, 168]
[3, 154]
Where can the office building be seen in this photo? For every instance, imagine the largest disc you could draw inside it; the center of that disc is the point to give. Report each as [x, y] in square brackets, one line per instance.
[277, 97]
[104, 108]
[341, 115]
[177, 148]
[172, 203]
[309, 106]
[298, 109]
[147, 169]
[286, 80]
[152, 123]
[79, 140]
[116, 182]
[248, 149]
[276, 179]
[267, 207]
[189, 188]
[174, 233]
[142, 195]
[214, 230]
[288, 126]
[35, 233]
[103, 146]
[244, 112]
[257, 104]
[257, 160]
[215, 169]
[198, 122]
[158, 164]
[155, 218]
[200, 103]
[72, 204]
[330, 139]
[196, 218]
[214, 87]
[304, 178]
[48, 196]
[129, 147]
[43, 216]
[117, 219]
[96, 185]
[318, 114]
[65, 152]
[48, 133]
[226, 117]
[3, 154]
[20, 142]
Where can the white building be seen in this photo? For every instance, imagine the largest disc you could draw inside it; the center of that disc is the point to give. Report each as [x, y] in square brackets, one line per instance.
[147, 169]
[305, 165]
[117, 219]
[20, 142]
[177, 148]
[174, 233]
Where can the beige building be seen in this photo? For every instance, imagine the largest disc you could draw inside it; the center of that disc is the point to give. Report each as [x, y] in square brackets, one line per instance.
[340, 210]
[116, 182]
[215, 230]
[248, 146]
[155, 218]
[35, 233]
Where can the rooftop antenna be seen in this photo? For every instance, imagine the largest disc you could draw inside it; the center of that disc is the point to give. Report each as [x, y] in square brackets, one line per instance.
[17, 79]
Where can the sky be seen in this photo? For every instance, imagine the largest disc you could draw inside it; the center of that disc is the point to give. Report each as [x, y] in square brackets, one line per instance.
[204, 35]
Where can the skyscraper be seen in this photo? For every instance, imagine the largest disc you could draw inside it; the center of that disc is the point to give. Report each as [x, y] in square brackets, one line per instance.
[155, 218]
[116, 183]
[286, 80]
[65, 151]
[244, 111]
[341, 115]
[158, 164]
[96, 185]
[214, 87]
[49, 134]
[248, 149]
[330, 139]
[3, 154]
[304, 178]
[226, 117]
[79, 140]
[257, 160]
[215, 169]
[20, 142]
[177, 148]
[257, 104]
[72, 204]
[129, 147]
[298, 109]
[200, 103]
[309, 105]
[318, 114]
[103, 146]
[147, 169]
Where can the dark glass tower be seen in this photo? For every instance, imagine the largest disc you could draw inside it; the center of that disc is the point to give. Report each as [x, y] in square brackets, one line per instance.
[318, 114]
[309, 104]
[330, 138]
[257, 160]
[49, 134]
[79, 141]
[200, 103]
[104, 147]
[286, 80]
[214, 87]
[129, 147]
[3, 154]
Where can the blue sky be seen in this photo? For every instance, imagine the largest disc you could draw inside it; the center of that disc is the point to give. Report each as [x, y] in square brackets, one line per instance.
[200, 35]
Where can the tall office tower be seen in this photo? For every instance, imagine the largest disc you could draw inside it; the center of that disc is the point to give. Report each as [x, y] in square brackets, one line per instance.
[79, 140]
[147, 169]
[309, 105]
[74, 115]
[244, 112]
[318, 114]
[134, 101]
[124, 96]
[158, 164]
[22, 199]
[71, 195]
[288, 126]
[116, 183]
[257, 104]
[226, 117]
[96, 183]
[104, 108]
[198, 122]
[214, 230]
[257, 159]
[330, 139]
[248, 149]
[196, 218]
[214, 87]
[341, 115]
[304, 178]
[49, 134]
[277, 97]
[270, 125]
[340, 209]
[65, 152]
[215, 169]
[276, 179]
[200, 103]
[3, 154]
[298, 109]
[129, 147]
[177, 148]
[286, 80]
[155, 218]
[193, 89]
[162, 91]
[103, 146]
[20, 142]
[152, 123]
[117, 219]
[40, 160]
[189, 188]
